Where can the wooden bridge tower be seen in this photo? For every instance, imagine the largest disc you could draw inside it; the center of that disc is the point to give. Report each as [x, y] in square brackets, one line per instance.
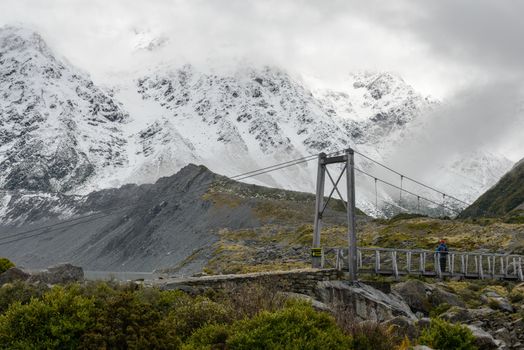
[320, 206]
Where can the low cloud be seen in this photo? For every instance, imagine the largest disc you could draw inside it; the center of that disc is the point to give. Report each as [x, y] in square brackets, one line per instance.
[468, 53]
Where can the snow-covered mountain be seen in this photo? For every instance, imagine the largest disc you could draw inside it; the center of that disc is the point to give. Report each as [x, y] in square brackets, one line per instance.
[57, 128]
[59, 131]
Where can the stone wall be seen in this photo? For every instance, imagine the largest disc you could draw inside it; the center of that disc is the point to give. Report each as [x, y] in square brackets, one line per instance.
[302, 281]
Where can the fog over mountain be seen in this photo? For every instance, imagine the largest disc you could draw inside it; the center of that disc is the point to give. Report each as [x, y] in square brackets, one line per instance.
[242, 84]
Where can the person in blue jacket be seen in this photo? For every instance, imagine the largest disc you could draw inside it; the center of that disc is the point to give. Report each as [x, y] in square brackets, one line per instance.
[442, 252]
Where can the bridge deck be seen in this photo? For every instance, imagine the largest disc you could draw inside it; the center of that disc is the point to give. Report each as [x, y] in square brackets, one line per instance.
[417, 262]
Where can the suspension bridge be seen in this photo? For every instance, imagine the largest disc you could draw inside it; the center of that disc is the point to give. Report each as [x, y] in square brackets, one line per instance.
[352, 258]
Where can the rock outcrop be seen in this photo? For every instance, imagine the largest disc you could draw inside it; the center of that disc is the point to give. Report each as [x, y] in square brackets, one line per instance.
[14, 274]
[421, 297]
[366, 302]
[58, 274]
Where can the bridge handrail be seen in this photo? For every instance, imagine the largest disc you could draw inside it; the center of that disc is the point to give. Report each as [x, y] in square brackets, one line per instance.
[417, 251]
[493, 265]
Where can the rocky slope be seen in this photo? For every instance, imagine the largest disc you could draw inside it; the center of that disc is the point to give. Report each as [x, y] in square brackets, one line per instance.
[506, 197]
[146, 227]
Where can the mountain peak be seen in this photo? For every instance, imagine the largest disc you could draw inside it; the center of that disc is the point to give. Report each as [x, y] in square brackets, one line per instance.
[21, 39]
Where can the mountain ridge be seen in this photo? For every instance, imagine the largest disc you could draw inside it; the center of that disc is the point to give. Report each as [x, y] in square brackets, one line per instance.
[159, 226]
[76, 137]
[506, 197]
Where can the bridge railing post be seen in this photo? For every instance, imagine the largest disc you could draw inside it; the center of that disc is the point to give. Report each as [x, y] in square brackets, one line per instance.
[520, 273]
[337, 258]
[394, 264]
[377, 261]
[481, 270]
[438, 269]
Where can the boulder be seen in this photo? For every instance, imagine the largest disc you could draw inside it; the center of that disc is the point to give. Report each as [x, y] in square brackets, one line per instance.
[422, 297]
[421, 347]
[439, 296]
[457, 314]
[484, 312]
[365, 302]
[315, 303]
[503, 334]
[497, 301]
[483, 340]
[13, 274]
[59, 274]
[415, 294]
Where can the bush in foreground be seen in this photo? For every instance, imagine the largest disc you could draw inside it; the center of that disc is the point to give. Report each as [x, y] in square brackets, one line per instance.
[447, 336]
[58, 320]
[116, 316]
[297, 326]
[5, 264]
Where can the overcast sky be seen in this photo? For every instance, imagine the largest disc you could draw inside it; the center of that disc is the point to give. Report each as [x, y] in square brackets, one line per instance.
[457, 51]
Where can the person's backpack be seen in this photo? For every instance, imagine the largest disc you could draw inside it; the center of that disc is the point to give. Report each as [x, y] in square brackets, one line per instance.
[442, 249]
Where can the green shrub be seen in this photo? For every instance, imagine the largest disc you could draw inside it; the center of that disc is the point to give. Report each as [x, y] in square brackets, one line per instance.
[444, 335]
[188, 314]
[297, 326]
[5, 264]
[91, 316]
[125, 319]
[372, 335]
[56, 321]
[439, 310]
[21, 292]
[248, 300]
[210, 336]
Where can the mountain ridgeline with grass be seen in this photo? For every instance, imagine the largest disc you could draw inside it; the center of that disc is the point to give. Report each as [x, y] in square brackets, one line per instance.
[505, 199]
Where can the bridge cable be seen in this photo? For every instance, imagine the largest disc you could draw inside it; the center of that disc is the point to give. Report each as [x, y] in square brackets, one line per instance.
[409, 192]
[409, 178]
